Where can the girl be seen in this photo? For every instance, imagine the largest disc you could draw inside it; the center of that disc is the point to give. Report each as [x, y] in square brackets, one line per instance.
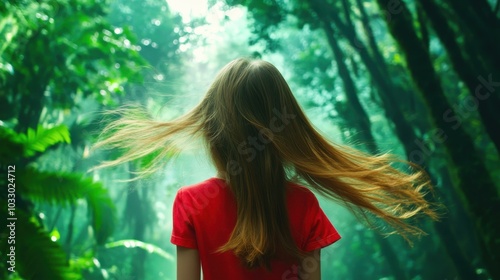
[256, 220]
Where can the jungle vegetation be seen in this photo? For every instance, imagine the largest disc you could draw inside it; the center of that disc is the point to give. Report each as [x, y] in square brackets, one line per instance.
[419, 78]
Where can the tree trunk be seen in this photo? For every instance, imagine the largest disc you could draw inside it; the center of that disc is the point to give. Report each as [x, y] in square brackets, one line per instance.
[363, 127]
[32, 85]
[134, 211]
[388, 91]
[424, 32]
[362, 123]
[365, 21]
[445, 228]
[487, 104]
[481, 29]
[485, 12]
[358, 112]
[471, 171]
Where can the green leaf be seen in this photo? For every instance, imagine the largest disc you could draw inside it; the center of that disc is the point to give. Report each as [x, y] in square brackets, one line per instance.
[132, 243]
[36, 256]
[149, 160]
[55, 235]
[67, 188]
[42, 138]
[11, 148]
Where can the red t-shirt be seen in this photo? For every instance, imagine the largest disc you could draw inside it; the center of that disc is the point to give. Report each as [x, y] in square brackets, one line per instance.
[204, 216]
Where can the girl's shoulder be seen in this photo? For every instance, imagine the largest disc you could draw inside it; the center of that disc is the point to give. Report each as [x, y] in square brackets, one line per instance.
[299, 193]
[208, 188]
[212, 187]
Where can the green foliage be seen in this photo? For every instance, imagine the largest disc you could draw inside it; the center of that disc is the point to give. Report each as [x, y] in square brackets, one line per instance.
[85, 262]
[42, 138]
[150, 248]
[32, 142]
[159, 31]
[159, 36]
[67, 188]
[63, 60]
[61, 50]
[11, 146]
[34, 187]
[56, 53]
[37, 256]
[266, 17]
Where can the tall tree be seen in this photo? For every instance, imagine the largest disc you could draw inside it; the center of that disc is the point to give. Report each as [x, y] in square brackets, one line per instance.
[471, 171]
[359, 118]
[483, 88]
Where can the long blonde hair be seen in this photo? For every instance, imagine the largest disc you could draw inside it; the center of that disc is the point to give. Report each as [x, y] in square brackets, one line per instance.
[258, 137]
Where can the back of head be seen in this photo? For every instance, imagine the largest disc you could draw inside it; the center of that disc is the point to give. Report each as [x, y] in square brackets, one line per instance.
[247, 108]
[246, 111]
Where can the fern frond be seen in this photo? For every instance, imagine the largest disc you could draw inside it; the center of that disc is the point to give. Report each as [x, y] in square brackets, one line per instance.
[42, 138]
[66, 189]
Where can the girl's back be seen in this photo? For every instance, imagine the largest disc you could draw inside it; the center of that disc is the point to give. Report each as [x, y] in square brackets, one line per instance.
[205, 215]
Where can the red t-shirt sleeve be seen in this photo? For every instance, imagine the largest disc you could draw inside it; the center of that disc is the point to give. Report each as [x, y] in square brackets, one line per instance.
[321, 231]
[183, 233]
